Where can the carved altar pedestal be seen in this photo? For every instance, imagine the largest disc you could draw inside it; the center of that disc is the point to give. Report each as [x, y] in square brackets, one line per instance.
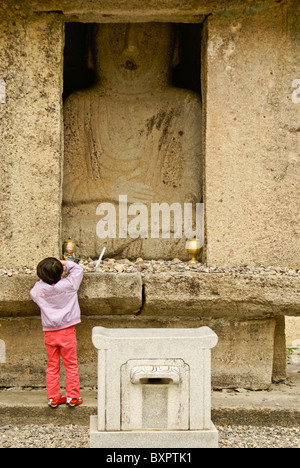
[153, 388]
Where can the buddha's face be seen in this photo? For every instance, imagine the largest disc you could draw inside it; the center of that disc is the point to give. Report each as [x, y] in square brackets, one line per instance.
[134, 52]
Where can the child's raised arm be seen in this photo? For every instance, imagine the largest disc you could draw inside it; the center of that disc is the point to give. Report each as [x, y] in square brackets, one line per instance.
[75, 273]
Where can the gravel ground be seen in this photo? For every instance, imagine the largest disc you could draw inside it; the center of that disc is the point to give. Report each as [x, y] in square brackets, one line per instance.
[50, 436]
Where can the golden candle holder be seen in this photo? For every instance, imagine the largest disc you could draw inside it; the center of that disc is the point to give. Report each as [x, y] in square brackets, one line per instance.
[193, 246]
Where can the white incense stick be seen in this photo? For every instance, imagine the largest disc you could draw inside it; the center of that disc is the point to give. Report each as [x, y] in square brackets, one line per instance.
[100, 258]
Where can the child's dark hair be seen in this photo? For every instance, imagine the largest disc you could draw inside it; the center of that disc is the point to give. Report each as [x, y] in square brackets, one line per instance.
[50, 270]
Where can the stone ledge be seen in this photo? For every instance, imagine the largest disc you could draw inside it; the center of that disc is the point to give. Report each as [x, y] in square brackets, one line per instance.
[103, 294]
[189, 294]
[131, 10]
[219, 295]
[107, 293]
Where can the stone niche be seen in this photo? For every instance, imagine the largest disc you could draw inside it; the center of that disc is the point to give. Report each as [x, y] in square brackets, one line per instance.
[133, 137]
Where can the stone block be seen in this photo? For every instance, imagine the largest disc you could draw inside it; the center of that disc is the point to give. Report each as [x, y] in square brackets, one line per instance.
[105, 293]
[31, 61]
[251, 135]
[26, 356]
[99, 294]
[206, 438]
[221, 295]
[116, 11]
[244, 357]
[14, 296]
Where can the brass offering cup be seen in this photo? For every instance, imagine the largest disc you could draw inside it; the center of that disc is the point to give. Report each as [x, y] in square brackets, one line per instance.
[193, 246]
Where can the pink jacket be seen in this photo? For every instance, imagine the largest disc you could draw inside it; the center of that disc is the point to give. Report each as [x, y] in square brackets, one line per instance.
[59, 302]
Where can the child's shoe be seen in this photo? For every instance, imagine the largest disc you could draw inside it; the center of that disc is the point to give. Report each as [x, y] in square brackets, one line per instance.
[54, 402]
[74, 401]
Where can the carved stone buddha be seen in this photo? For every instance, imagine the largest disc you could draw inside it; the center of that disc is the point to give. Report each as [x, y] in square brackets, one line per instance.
[132, 134]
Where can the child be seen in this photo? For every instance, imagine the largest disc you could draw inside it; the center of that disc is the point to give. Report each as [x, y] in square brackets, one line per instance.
[57, 298]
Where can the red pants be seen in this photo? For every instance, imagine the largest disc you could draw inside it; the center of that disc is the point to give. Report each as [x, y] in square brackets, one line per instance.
[62, 343]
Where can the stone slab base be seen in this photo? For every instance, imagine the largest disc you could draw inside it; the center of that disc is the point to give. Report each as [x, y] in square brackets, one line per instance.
[207, 438]
[243, 358]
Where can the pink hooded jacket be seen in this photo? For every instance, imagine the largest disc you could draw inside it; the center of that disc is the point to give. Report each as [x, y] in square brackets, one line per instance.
[59, 302]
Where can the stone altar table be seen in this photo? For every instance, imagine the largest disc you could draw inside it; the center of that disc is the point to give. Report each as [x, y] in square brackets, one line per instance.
[154, 388]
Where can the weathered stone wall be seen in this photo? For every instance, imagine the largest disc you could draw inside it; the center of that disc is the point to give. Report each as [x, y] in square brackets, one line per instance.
[31, 51]
[252, 138]
[251, 148]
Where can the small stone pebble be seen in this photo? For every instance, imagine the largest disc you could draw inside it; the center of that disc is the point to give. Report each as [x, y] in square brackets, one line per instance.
[111, 265]
[74, 436]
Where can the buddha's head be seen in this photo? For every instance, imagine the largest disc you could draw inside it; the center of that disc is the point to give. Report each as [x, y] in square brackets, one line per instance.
[129, 54]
